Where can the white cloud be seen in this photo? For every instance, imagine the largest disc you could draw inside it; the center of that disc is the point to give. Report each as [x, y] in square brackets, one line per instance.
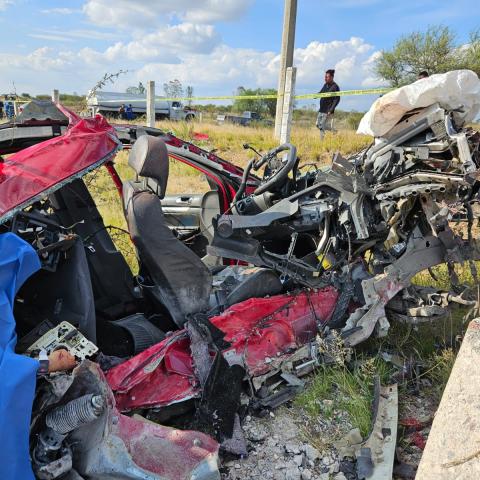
[141, 14]
[69, 35]
[4, 4]
[209, 11]
[218, 72]
[61, 11]
[230, 67]
[225, 68]
[41, 59]
[50, 36]
[165, 45]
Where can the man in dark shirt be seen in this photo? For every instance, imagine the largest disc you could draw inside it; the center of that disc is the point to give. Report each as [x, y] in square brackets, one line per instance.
[327, 104]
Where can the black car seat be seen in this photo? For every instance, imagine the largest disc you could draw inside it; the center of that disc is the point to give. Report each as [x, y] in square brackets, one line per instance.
[182, 282]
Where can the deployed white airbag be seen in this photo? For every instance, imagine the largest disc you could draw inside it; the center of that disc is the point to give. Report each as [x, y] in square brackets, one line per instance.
[455, 89]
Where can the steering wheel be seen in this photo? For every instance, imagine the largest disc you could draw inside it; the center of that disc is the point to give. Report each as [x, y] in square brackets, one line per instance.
[279, 176]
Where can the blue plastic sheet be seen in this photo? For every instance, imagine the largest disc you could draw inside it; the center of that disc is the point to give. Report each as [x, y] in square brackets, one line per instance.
[18, 261]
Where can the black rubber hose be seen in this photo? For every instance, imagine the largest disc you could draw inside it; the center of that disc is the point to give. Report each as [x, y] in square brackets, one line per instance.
[243, 185]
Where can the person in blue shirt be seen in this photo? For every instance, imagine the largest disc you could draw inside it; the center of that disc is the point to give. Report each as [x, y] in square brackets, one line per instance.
[9, 110]
[129, 112]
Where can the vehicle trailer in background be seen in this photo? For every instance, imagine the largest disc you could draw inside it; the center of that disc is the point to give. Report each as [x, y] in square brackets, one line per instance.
[109, 103]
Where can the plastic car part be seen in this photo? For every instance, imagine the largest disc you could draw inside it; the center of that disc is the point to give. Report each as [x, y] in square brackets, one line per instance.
[377, 453]
[65, 336]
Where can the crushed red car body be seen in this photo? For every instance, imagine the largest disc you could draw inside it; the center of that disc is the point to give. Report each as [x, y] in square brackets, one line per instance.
[261, 332]
[256, 335]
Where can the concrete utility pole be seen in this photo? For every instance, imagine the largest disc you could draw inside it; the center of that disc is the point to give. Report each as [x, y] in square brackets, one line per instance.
[288, 101]
[150, 103]
[286, 57]
[55, 96]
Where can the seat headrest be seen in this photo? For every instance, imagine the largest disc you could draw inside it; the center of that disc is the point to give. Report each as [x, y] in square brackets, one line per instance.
[149, 158]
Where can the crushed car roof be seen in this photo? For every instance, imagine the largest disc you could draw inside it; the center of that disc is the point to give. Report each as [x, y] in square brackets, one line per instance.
[43, 168]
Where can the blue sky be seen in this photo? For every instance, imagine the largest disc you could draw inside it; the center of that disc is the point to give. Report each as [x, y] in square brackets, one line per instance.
[214, 45]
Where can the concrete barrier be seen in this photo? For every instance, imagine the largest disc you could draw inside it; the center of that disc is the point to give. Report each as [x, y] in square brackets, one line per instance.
[453, 446]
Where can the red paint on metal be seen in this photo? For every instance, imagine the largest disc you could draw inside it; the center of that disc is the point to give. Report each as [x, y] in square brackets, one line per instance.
[165, 451]
[229, 167]
[148, 378]
[37, 169]
[115, 177]
[225, 198]
[162, 452]
[257, 329]
[262, 328]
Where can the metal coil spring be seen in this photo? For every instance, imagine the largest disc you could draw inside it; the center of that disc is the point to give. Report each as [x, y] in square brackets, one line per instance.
[76, 413]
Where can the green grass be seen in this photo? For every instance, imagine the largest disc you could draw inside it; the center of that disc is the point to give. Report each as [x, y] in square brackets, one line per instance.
[440, 366]
[338, 388]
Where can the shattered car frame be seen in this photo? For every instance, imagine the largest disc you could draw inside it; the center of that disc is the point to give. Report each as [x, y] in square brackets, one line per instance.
[289, 256]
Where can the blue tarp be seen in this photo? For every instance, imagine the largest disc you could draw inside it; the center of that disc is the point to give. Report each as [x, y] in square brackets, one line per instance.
[18, 260]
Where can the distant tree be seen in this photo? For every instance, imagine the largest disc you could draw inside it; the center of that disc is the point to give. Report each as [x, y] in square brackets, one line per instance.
[138, 90]
[266, 106]
[435, 51]
[173, 89]
[189, 94]
[26, 95]
[107, 78]
[471, 52]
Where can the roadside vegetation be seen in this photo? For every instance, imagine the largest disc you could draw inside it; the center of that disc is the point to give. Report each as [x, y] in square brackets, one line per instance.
[337, 389]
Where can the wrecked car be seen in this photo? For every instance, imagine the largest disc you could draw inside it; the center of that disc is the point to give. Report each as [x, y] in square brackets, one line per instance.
[69, 288]
[234, 287]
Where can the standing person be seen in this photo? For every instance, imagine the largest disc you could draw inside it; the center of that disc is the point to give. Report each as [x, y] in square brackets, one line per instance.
[327, 104]
[121, 111]
[9, 110]
[129, 112]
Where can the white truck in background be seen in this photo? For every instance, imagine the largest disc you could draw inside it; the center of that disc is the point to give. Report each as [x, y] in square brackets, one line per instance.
[109, 103]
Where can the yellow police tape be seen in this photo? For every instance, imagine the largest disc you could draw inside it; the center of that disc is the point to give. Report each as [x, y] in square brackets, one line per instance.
[307, 96]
